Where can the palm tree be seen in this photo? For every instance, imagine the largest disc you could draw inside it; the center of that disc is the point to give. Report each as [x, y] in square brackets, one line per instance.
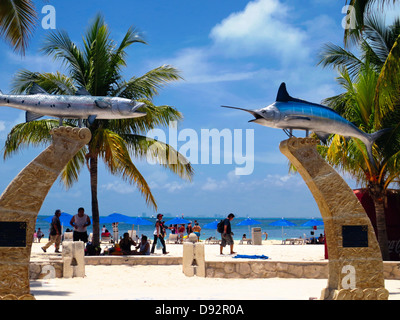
[17, 21]
[97, 68]
[362, 9]
[365, 103]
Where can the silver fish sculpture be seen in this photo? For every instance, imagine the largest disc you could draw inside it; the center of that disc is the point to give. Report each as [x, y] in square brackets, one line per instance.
[290, 114]
[39, 103]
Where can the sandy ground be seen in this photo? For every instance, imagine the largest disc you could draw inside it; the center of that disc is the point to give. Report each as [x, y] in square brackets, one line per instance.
[169, 282]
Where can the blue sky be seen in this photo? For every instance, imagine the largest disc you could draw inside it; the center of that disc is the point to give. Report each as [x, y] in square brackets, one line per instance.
[230, 53]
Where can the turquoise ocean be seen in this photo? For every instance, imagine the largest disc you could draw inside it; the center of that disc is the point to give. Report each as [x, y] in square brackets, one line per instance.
[274, 233]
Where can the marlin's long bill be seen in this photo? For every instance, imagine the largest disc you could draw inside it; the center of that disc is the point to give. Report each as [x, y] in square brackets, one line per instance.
[253, 112]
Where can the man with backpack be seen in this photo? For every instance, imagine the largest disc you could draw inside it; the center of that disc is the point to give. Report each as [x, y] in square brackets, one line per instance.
[224, 227]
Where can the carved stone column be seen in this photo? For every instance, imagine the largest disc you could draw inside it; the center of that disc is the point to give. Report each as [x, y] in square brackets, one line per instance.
[20, 204]
[355, 260]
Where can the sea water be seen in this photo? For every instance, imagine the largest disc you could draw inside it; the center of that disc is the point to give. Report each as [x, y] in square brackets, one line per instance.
[274, 233]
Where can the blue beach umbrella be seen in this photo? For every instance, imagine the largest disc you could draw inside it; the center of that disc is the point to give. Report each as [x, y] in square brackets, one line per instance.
[211, 225]
[140, 222]
[282, 223]
[312, 222]
[178, 220]
[65, 218]
[248, 222]
[116, 217]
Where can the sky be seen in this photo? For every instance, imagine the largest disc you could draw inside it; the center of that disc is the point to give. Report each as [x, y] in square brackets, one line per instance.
[229, 52]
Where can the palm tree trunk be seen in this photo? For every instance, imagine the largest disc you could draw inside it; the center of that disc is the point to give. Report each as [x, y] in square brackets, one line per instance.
[381, 227]
[95, 204]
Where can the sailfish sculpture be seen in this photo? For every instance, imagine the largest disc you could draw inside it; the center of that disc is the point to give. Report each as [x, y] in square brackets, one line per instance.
[288, 113]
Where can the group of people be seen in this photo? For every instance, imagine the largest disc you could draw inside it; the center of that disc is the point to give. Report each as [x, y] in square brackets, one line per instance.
[79, 222]
[124, 247]
[196, 229]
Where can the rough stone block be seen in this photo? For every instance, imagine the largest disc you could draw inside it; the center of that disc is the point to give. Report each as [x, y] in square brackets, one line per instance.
[74, 259]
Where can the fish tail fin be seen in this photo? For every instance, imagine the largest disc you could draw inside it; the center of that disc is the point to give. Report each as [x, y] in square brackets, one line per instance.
[371, 138]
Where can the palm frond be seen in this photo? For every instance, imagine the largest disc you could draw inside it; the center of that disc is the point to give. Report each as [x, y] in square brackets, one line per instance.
[53, 83]
[388, 84]
[112, 149]
[60, 47]
[70, 174]
[35, 133]
[332, 55]
[17, 22]
[148, 85]
[160, 152]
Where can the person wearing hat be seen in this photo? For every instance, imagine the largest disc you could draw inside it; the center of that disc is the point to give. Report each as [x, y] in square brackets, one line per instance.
[159, 233]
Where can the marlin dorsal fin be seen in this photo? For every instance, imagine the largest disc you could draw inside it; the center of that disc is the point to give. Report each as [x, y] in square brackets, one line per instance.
[36, 89]
[283, 95]
[82, 92]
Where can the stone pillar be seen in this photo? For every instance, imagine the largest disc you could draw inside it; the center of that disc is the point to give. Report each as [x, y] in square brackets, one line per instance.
[193, 262]
[355, 260]
[20, 204]
[73, 254]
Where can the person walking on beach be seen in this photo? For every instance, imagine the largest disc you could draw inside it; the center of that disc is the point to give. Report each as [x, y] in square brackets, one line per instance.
[55, 232]
[159, 233]
[80, 222]
[226, 235]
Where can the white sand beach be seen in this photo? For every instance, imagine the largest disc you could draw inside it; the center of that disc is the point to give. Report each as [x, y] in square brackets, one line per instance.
[169, 283]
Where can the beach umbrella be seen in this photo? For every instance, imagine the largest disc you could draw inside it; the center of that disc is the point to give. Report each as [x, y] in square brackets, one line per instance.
[248, 222]
[178, 220]
[65, 218]
[312, 222]
[140, 222]
[282, 223]
[116, 217]
[211, 225]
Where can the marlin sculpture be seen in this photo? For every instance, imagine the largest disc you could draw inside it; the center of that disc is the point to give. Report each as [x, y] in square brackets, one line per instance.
[290, 114]
[39, 103]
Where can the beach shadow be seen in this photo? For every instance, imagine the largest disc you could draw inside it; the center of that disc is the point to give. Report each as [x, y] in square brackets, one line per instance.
[41, 291]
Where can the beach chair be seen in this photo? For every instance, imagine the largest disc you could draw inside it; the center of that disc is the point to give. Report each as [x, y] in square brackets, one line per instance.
[106, 239]
[173, 238]
[248, 241]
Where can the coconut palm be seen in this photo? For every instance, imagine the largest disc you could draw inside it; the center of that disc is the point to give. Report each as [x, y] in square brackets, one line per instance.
[364, 102]
[17, 21]
[97, 67]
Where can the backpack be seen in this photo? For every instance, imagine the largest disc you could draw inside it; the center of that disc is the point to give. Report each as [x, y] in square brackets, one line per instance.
[220, 226]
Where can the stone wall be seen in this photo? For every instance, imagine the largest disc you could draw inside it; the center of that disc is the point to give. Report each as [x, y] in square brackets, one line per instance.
[282, 269]
[266, 269]
[217, 269]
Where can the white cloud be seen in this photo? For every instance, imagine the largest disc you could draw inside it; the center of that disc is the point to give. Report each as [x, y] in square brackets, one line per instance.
[261, 28]
[284, 181]
[2, 126]
[118, 187]
[197, 67]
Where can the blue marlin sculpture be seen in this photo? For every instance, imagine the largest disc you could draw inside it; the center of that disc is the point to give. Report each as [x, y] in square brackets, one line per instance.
[289, 113]
[39, 103]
